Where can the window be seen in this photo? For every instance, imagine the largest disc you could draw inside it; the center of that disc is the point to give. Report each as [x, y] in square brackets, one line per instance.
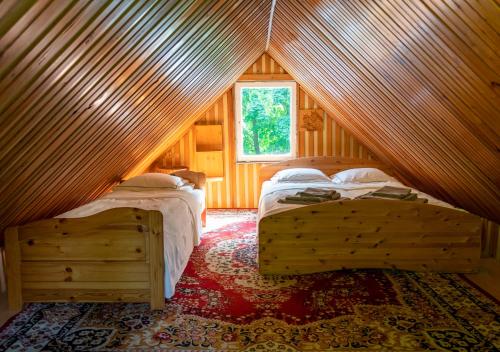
[265, 120]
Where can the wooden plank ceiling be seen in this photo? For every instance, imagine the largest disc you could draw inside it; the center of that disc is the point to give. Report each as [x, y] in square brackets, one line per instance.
[416, 81]
[89, 88]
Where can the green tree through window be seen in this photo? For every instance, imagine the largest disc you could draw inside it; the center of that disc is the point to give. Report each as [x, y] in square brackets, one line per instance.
[266, 120]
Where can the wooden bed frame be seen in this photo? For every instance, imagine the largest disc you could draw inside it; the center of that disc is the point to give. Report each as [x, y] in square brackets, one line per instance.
[368, 233]
[113, 256]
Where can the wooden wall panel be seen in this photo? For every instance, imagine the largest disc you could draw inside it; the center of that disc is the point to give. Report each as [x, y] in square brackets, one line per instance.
[490, 240]
[88, 89]
[240, 187]
[417, 82]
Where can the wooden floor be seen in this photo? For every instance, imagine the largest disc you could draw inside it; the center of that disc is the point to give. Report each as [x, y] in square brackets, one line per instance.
[488, 278]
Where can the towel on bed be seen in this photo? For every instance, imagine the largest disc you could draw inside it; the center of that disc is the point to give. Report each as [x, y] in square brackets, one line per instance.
[319, 192]
[311, 196]
[394, 193]
[303, 201]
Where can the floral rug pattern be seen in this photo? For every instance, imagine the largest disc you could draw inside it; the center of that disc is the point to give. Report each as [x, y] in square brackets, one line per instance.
[223, 304]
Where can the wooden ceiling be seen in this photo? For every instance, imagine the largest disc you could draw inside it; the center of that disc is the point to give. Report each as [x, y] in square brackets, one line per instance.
[416, 81]
[91, 90]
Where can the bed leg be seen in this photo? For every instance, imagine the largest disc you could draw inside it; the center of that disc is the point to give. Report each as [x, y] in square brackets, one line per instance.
[156, 260]
[13, 265]
[204, 217]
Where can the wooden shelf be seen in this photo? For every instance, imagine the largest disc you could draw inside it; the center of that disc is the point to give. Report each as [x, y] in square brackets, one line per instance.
[209, 150]
[208, 138]
[206, 148]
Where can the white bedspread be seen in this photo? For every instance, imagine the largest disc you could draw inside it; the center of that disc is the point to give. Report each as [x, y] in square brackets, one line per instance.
[181, 210]
[272, 192]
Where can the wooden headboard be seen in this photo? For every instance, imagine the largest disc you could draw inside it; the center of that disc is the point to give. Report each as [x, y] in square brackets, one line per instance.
[329, 165]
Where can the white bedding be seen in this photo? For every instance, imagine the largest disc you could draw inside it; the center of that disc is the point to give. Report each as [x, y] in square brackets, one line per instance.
[181, 210]
[272, 192]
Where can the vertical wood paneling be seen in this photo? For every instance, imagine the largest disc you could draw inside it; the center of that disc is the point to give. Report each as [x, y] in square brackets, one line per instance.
[92, 90]
[240, 187]
[490, 240]
[417, 82]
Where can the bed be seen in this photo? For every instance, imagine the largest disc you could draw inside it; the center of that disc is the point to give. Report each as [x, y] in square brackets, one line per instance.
[359, 233]
[130, 245]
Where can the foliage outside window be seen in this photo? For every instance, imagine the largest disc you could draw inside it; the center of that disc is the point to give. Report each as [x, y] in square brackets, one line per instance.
[265, 120]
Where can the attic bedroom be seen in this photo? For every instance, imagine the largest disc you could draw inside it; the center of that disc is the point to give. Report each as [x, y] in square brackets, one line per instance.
[264, 175]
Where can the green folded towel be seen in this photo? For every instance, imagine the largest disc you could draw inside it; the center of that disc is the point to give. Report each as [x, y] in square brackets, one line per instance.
[408, 197]
[298, 200]
[307, 201]
[411, 196]
[311, 196]
[392, 192]
[319, 192]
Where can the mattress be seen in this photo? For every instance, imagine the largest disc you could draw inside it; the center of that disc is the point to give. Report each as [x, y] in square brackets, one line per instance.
[272, 192]
[182, 228]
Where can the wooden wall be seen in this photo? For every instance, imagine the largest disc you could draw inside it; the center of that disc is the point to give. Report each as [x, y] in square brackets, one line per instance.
[240, 188]
[490, 240]
[417, 81]
[89, 88]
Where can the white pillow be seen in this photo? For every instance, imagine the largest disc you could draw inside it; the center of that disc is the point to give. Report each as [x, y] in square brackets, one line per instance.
[361, 175]
[300, 175]
[150, 180]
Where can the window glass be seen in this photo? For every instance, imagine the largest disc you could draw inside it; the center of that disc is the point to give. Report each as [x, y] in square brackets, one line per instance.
[265, 113]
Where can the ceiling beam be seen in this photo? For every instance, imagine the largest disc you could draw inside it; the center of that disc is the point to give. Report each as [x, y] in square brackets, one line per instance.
[270, 27]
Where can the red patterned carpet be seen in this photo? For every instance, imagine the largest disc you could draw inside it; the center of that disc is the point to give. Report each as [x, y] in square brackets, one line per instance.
[223, 304]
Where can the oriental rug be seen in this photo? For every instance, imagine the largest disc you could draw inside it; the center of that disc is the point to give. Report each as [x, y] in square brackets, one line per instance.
[223, 304]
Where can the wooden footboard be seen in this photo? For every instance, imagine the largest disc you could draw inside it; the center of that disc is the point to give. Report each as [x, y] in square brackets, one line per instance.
[369, 234]
[115, 255]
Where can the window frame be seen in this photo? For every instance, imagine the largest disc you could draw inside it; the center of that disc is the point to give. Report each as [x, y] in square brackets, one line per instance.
[238, 109]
